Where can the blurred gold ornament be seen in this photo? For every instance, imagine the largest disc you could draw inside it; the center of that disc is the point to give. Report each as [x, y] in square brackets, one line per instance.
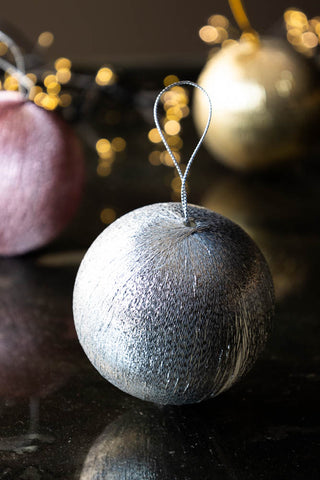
[265, 101]
[267, 211]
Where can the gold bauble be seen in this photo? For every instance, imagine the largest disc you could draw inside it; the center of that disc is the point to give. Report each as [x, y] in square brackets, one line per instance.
[265, 100]
[279, 215]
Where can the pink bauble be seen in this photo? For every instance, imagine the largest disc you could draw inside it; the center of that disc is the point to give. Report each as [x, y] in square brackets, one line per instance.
[41, 174]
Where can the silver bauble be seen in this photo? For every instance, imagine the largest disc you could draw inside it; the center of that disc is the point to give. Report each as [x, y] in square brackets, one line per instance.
[265, 100]
[172, 313]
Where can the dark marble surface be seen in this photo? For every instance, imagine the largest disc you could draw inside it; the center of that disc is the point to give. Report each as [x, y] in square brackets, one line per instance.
[60, 420]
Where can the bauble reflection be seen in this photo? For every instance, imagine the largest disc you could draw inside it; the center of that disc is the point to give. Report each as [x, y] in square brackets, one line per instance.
[154, 444]
[36, 331]
[36, 343]
[265, 99]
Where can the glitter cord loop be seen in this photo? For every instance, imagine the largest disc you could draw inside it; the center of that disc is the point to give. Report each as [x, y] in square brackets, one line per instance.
[182, 176]
[18, 71]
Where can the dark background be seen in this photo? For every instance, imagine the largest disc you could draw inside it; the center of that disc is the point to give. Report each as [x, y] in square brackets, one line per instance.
[104, 30]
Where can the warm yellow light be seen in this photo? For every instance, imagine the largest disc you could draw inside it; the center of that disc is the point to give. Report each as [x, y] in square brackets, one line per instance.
[45, 39]
[169, 79]
[103, 146]
[107, 155]
[106, 158]
[11, 83]
[154, 158]
[62, 63]
[179, 91]
[118, 144]
[38, 98]
[218, 21]
[104, 169]
[166, 159]
[49, 102]
[34, 91]
[317, 29]
[108, 215]
[3, 48]
[176, 184]
[54, 88]
[314, 22]
[65, 100]
[63, 75]
[175, 142]
[209, 34]
[309, 39]
[175, 196]
[32, 77]
[154, 136]
[249, 37]
[49, 79]
[174, 113]
[172, 127]
[222, 34]
[296, 19]
[185, 110]
[105, 76]
[294, 36]
[228, 42]
[176, 96]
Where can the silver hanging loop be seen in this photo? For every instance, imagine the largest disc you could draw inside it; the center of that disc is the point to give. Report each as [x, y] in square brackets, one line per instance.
[18, 71]
[183, 177]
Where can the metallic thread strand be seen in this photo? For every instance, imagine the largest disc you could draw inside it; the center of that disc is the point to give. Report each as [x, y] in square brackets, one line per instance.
[19, 70]
[183, 177]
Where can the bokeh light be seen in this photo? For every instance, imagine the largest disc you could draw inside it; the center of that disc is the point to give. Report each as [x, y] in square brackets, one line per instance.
[65, 100]
[11, 83]
[303, 34]
[32, 77]
[63, 75]
[219, 21]
[154, 158]
[154, 136]
[62, 63]
[108, 215]
[172, 127]
[103, 146]
[105, 76]
[46, 39]
[175, 105]
[118, 144]
[34, 91]
[209, 34]
[104, 169]
[170, 79]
